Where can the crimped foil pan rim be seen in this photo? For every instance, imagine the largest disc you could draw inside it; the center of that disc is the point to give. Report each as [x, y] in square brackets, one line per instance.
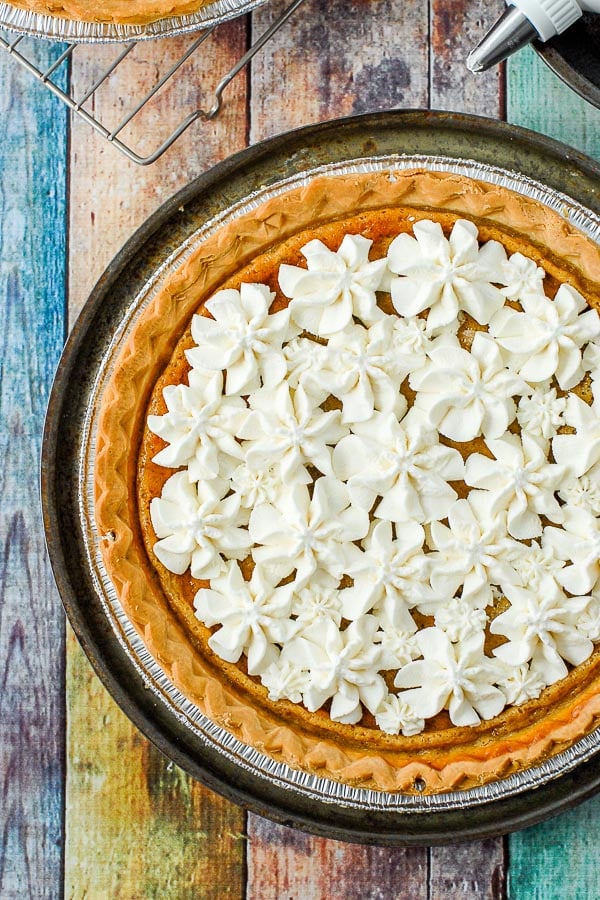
[55, 28]
[323, 790]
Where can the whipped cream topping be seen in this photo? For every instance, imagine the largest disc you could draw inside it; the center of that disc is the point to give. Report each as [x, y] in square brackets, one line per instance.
[580, 451]
[542, 628]
[541, 413]
[241, 337]
[583, 491]
[301, 534]
[455, 676]
[519, 480]
[403, 463]
[467, 393]
[471, 551]
[591, 360]
[521, 277]
[546, 338]
[253, 615]
[334, 286]
[198, 526]
[578, 543]
[200, 426]
[287, 429]
[371, 494]
[390, 573]
[444, 276]
[395, 715]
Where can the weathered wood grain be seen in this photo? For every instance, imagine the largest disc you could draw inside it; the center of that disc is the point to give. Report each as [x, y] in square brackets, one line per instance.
[537, 99]
[473, 871]
[285, 864]
[32, 298]
[557, 860]
[337, 59]
[111, 196]
[136, 826]
[456, 27]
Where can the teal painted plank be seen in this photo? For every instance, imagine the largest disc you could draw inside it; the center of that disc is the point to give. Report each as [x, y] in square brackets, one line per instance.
[557, 860]
[536, 98]
[33, 152]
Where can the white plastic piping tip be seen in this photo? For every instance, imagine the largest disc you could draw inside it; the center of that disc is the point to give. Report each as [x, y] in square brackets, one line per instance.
[525, 21]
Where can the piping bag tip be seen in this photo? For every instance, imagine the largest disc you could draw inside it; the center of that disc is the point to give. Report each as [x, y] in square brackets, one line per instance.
[512, 31]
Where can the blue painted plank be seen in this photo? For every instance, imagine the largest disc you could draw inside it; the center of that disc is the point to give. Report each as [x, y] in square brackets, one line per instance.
[33, 153]
[557, 860]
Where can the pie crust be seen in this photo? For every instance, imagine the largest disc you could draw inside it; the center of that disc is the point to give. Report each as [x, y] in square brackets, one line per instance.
[443, 757]
[118, 12]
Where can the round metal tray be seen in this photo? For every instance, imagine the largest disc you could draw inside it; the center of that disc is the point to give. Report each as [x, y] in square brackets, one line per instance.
[544, 166]
[575, 58]
[55, 28]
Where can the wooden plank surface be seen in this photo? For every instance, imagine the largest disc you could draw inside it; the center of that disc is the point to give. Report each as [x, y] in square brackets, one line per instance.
[537, 99]
[558, 860]
[473, 871]
[456, 26]
[32, 297]
[286, 864]
[110, 196]
[337, 59]
[136, 825]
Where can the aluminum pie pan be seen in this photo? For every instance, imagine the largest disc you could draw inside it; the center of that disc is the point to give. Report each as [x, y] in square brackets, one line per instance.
[55, 28]
[495, 152]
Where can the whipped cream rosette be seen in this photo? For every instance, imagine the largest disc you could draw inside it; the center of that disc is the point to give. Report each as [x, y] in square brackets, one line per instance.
[391, 483]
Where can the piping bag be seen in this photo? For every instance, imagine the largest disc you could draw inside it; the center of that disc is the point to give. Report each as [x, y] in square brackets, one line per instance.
[524, 21]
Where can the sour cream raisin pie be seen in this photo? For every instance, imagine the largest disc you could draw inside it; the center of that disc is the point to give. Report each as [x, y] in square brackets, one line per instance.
[349, 463]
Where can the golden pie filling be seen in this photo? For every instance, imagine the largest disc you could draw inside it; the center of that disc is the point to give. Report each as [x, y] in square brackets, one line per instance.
[348, 480]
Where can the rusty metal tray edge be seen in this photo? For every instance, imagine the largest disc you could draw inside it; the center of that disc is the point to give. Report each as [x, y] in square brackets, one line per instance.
[374, 135]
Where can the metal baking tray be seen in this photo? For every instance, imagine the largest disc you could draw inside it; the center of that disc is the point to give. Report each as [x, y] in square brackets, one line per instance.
[490, 150]
[56, 28]
[575, 58]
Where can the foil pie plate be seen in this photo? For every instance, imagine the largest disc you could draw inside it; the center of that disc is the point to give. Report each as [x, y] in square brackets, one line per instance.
[55, 28]
[488, 150]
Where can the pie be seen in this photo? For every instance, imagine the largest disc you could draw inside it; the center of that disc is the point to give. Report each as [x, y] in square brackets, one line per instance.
[117, 12]
[348, 479]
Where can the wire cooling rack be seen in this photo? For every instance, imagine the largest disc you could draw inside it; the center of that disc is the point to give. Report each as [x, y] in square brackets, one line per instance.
[22, 49]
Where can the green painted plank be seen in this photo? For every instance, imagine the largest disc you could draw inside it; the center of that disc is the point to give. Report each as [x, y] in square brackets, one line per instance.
[558, 859]
[33, 131]
[537, 99]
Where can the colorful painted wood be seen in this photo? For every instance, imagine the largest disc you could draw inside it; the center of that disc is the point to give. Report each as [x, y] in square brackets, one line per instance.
[32, 297]
[138, 808]
[135, 826]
